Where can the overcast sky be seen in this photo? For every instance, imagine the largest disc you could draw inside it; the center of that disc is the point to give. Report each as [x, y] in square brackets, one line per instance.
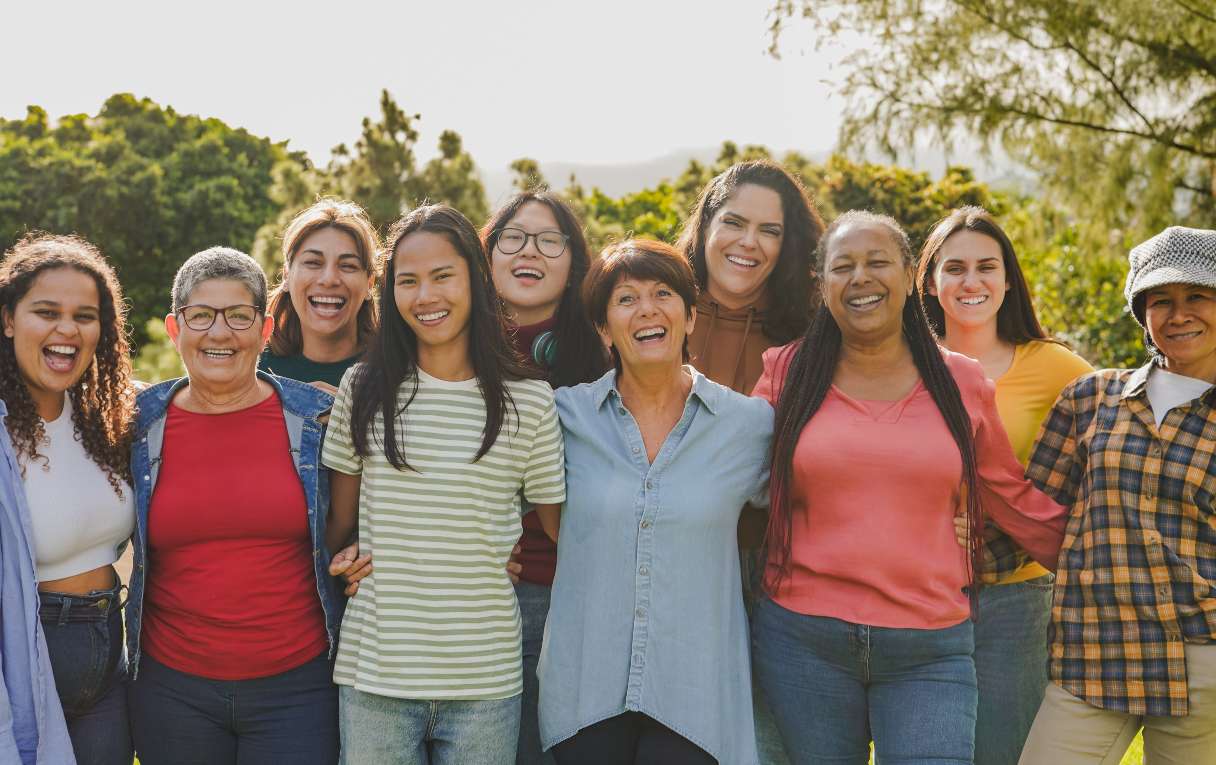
[602, 81]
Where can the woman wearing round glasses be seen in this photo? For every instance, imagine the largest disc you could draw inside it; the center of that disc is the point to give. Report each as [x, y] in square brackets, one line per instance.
[232, 617]
[538, 258]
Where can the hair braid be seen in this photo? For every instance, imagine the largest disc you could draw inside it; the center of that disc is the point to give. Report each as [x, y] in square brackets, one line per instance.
[806, 383]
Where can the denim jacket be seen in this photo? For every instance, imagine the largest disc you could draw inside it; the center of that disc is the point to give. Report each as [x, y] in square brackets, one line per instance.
[302, 405]
[32, 728]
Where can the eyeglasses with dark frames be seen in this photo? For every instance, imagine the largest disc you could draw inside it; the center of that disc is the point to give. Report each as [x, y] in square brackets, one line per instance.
[200, 317]
[511, 240]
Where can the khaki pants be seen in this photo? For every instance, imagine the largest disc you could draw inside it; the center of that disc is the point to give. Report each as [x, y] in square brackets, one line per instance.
[1068, 731]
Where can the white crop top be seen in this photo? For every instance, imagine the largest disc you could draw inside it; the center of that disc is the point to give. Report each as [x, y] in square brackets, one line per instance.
[79, 522]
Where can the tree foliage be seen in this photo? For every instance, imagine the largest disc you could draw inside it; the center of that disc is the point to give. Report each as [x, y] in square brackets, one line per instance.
[148, 185]
[1112, 102]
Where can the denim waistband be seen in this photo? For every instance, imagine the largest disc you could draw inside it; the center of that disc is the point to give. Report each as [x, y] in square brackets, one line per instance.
[97, 605]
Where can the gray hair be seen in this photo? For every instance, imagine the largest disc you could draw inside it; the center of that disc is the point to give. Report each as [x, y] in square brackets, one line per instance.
[219, 263]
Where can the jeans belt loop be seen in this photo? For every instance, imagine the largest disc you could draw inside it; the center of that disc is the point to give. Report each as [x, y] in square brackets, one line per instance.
[64, 608]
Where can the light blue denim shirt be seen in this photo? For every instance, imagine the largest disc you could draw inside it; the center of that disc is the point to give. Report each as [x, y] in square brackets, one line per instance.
[302, 406]
[647, 608]
[32, 730]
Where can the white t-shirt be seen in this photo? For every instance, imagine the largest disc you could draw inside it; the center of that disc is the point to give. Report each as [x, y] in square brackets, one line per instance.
[79, 522]
[1167, 390]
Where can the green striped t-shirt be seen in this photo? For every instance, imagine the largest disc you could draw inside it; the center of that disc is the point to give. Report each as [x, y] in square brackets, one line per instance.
[438, 619]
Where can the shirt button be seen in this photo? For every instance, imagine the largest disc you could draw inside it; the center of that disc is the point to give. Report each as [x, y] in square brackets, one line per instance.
[640, 613]
[644, 570]
[621, 410]
[650, 484]
[1163, 591]
[147, 478]
[637, 450]
[637, 660]
[645, 524]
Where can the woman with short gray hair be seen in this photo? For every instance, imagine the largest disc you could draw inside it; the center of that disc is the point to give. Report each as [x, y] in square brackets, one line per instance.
[1129, 451]
[233, 618]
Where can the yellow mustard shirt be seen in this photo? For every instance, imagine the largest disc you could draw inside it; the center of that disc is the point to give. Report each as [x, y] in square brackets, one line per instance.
[1024, 396]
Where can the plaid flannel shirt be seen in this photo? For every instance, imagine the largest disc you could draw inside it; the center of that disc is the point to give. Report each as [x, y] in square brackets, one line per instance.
[1137, 570]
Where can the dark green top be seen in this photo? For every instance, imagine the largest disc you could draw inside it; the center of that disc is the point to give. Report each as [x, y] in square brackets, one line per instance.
[301, 368]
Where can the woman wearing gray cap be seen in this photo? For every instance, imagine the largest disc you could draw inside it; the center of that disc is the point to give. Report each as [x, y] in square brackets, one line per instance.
[1133, 453]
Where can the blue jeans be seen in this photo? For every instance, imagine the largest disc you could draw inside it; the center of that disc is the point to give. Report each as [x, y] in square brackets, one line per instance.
[382, 730]
[290, 718]
[834, 686]
[1010, 666]
[84, 642]
[533, 610]
[768, 739]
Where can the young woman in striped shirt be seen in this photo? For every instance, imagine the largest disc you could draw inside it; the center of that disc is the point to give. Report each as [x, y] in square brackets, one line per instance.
[433, 441]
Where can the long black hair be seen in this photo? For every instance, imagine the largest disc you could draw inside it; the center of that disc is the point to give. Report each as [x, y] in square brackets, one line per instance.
[578, 354]
[392, 355]
[791, 285]
[806, 383]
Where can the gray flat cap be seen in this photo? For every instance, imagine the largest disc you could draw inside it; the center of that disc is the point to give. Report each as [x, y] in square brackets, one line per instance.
[1178, 255]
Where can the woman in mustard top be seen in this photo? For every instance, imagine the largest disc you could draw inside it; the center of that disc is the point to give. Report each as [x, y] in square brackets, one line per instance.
[977, 302]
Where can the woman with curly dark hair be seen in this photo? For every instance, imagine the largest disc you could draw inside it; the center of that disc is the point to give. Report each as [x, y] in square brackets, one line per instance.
[65, 379]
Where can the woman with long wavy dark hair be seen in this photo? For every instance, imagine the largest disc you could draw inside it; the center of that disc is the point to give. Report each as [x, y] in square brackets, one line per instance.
[879, 437]
[429, 663]
[538, 259]
[751, 240]
[65, 379]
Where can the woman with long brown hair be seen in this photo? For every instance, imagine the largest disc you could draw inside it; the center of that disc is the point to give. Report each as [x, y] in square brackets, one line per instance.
[322, 307]
[977, 302]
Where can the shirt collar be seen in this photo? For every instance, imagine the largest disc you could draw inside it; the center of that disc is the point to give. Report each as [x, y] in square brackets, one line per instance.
[702, 387]
[1136, 382]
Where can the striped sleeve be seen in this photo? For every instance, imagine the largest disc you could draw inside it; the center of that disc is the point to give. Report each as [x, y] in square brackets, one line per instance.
[544, 476]
[339, 450]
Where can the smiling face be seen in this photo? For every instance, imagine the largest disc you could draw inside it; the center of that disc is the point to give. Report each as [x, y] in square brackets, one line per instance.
[969, 279]
[866, 283]
[529, 283]
[220, 359]
[431, 290]
[742, 245]
[55, 327]
[1181, 320]
[646, 322]
[328, 283]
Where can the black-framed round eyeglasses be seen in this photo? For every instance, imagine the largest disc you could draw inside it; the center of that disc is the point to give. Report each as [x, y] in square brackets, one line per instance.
[511, 240]
[200, 318]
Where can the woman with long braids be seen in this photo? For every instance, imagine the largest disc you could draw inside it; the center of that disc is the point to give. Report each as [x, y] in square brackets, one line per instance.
[436, 440]
[750, 241]
[977, 302]
[65, 380]
[879, 437]
[538, 258]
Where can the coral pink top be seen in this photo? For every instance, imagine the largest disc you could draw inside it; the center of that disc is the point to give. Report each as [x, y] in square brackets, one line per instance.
[875, 486]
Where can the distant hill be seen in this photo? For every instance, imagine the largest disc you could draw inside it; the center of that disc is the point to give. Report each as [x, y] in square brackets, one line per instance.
[998, 170]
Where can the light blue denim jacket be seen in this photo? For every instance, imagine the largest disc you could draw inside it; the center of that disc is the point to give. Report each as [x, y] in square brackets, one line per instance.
[647, 611]
[302, 405]
[32, 729]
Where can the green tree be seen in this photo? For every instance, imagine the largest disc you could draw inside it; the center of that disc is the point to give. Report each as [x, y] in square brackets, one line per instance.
[527, 175]
[149, 186]
[452, 178]
[378, 171]
[1113, 102]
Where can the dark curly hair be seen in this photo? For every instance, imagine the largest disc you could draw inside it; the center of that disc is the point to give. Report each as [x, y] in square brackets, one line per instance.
[103, 399]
